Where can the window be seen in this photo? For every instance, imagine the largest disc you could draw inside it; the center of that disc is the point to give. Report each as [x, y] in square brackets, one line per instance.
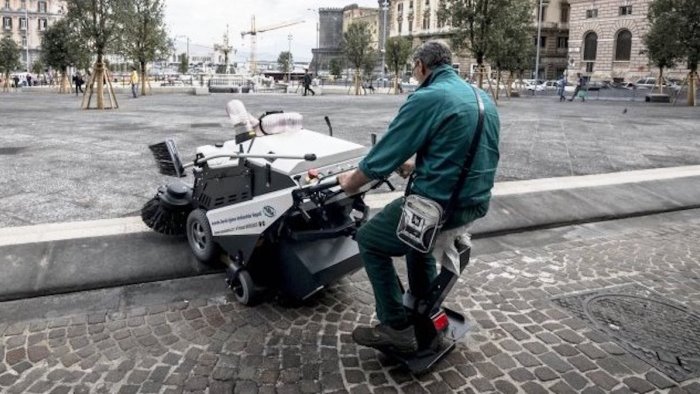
[590, 46]
[626, 10]
[24, 41]
[41, 6]
[427, 3]
[410, 5]
[42, 24]
[7, 23]
[410, 25]
[589, 67]
[7, 4]
[426, 20]
[623, 45]
[22, 24]
[398, 23]
[562, 42]
[399, 8]
[564, 18]
[543, 41]
[544, 13]
[592, 13]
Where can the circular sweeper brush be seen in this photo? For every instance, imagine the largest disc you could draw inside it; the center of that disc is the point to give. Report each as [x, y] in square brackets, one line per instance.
[167, 212]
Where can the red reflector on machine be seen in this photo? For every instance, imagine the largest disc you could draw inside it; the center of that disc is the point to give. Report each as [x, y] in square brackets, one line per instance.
[440, 321]
[312, 173]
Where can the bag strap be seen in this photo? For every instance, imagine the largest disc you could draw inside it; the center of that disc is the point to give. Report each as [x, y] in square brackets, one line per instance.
[470, 157]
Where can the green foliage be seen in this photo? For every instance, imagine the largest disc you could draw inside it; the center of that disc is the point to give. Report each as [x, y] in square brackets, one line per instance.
[336, 67]
[398, 52]
[285, 60]
[509, 46]
[9, 56]
[38, 67]
[184, 65]
[356, 44]
[97, 23]
[475, 23]
[60, 46]
[674, 31]
[369, 64]
[142, 32]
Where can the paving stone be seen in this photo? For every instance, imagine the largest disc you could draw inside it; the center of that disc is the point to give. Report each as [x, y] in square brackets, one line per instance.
[439, 387]
[561, 387]
[570, 336]
[488, 370]
[534, 388]
[638, 385]
[453, 379]
[137, 376]
[15, 356]
[60, 390]
[613, 367]
[591, 350]
[565, 350]
[527, 360]
[575, 380]
[659, 380]
[612, 349]
[521, 375]
[221, 387]
[503, 361]
[505, 387]
[482, 384]
[535, 347]
[8, 379]
[129, 389]
[555, 362]
[602, 379]
[41, 386]
[490, 349]
[545, 374]
[355, 376]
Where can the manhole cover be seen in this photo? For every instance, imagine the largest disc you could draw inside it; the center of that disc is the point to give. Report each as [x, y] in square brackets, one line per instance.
[12, 150]
[661, 332]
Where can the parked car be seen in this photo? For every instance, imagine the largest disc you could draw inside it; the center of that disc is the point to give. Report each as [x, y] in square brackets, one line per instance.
[595, 86]
[645, 83]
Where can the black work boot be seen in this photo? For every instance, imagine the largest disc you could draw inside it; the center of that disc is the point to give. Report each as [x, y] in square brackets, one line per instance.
[383, 336]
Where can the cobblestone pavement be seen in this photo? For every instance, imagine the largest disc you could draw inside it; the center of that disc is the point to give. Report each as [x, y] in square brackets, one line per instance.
[521, 342]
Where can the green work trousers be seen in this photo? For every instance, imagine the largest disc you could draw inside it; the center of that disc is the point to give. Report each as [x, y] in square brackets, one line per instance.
[378, 244]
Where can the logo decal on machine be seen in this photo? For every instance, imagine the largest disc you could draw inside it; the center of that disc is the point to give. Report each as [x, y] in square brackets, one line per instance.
[269, 211]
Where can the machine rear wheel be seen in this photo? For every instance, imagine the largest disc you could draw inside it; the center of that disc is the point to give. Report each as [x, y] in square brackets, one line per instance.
[200, 237]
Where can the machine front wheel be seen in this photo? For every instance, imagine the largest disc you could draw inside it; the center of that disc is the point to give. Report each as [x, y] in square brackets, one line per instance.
[200, 237]
[244, 289]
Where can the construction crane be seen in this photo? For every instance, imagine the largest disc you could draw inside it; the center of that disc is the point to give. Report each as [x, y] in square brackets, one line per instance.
[253, 32]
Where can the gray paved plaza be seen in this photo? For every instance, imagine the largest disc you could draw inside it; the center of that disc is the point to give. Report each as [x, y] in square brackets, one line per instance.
[63, 164]
[188, 336]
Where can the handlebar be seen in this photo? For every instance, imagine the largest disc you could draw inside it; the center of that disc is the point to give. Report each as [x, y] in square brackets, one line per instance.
[323, 185]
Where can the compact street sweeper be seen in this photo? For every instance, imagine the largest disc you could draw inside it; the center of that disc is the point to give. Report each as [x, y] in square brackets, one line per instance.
[268, 205]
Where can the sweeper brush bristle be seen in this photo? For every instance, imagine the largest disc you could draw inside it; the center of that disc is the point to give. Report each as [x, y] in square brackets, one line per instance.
[164, 219]
[167, 158]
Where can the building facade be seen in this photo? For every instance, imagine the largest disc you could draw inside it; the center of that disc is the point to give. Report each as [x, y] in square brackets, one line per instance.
[606, 39]
[330, 37]
[26, 20]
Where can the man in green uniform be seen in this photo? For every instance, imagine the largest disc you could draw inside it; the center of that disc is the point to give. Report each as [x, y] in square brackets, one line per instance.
[436, 124]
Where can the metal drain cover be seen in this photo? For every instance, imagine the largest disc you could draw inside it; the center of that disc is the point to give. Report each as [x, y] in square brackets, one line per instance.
[661, 332]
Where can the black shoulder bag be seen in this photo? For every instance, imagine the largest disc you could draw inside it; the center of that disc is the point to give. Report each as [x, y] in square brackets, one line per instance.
[422, 218]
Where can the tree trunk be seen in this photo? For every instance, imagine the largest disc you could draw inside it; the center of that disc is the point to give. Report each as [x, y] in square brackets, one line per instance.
[63, 85]
[691, 87]
[6, 83]
[357, 82]
[98, 78]
[143, 78]
[481, 75]
[661, 80]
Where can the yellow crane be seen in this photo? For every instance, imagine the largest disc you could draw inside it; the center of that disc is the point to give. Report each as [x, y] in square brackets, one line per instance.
[253, 32]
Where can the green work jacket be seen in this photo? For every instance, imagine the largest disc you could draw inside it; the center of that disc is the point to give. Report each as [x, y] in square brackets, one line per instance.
[437, 123]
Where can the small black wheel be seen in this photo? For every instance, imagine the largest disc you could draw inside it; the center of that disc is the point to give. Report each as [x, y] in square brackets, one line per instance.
[200, 237]
[245, 290]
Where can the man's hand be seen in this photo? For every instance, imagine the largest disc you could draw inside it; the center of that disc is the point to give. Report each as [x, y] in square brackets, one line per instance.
[351, 181]
[406, 169]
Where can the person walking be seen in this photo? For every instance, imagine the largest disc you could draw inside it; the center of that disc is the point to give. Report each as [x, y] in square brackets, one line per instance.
[78, 81]
[437, 123]
[579, 85]
[307, 82]
[561, 88]
[134, 79]
[16, 80]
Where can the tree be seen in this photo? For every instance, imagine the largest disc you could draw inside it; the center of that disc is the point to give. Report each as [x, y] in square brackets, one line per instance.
[356, 47]
[97, 23]
[474, 23]
[369, 64]
[683, 17]
[38, 67]
[398, 50]
[143, 35]
[184, 65]
[510, 47]
[663, 48]
[9, 59]
[285, 61]
[336, 67]
[60, 49]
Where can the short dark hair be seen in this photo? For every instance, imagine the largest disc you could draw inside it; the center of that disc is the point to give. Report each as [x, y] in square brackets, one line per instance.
[433, 54]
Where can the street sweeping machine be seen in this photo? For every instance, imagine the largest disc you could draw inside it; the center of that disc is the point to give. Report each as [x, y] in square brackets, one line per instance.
[267, 204]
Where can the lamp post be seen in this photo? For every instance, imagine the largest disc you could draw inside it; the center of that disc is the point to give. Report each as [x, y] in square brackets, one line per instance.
[26, 28]
[289, 63]
[385, 9]
[539, 37]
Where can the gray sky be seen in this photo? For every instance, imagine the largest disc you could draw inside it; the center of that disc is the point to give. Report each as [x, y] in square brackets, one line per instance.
[204, 21]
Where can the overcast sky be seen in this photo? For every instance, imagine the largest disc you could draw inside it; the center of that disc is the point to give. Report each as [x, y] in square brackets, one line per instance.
[204, 21]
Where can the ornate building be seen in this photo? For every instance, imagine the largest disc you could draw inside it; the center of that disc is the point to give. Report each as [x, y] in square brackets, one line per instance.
[606, 39]
[26, 20]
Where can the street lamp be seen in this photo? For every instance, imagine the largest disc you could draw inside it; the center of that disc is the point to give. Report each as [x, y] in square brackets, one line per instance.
[26, 29]
[385, 8]
[539, 37]
[289, 63]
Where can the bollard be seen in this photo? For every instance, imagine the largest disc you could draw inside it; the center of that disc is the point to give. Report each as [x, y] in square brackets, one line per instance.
[373, 136]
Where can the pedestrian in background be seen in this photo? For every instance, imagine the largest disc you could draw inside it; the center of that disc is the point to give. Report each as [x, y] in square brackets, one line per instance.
[579, 85]
[78, 81]
[307, 82]
[561, 88]
[134, 81]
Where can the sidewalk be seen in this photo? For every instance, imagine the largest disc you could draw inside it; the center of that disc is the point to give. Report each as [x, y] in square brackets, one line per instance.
[187, 336]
